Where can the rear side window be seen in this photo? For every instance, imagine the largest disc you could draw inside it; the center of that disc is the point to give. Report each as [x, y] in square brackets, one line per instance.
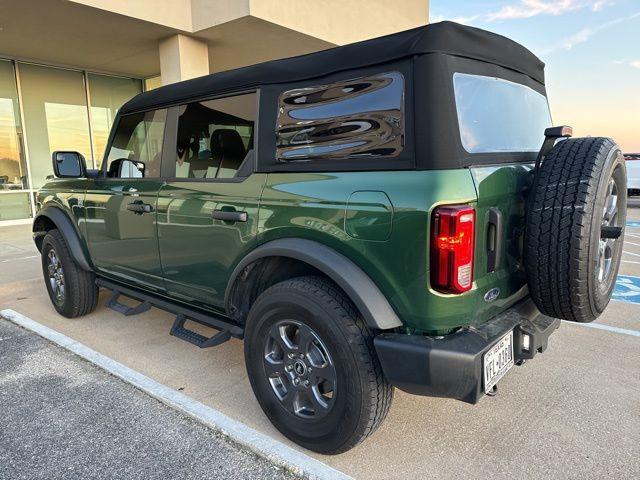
[136, 148]
[497, 115]
[362, 117]
[215, 136]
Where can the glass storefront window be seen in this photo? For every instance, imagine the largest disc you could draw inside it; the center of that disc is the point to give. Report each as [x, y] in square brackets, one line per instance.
[13, 169]
[107, 94]
[55, 115]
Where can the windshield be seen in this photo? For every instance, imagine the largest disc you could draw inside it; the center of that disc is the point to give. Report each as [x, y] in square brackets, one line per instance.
[497, 115]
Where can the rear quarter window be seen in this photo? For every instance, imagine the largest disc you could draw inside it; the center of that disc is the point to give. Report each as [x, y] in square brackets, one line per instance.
[361, 117]
[496, 115]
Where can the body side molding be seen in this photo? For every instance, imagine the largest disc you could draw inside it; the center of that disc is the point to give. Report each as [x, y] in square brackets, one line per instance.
[367, 297]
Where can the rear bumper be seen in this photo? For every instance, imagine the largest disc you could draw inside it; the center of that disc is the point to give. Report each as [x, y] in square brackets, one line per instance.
[451, 366]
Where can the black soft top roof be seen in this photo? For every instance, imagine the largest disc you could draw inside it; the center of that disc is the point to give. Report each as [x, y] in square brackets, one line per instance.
[444, 37]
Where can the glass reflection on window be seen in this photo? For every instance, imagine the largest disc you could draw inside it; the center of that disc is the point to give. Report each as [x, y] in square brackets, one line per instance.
[496, 115]
[351, 118]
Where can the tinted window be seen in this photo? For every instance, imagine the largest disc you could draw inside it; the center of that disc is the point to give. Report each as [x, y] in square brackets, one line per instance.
[137, 145]
[496, 115]
[352, 118]
[215, 137]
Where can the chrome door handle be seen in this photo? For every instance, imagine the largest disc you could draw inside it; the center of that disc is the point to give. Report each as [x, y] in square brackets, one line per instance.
[229, 215]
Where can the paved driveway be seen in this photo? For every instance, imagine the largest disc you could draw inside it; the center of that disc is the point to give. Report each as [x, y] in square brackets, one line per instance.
[573, 412]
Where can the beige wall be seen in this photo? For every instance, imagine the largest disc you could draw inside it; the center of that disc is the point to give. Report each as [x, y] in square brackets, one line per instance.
[334, 21]
[208, 13]
[171, 13]
[183, 57]
[340, 21]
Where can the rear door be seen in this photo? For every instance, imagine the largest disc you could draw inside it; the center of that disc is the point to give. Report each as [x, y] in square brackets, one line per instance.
[208, 207]
[500, 215]
[121, 207]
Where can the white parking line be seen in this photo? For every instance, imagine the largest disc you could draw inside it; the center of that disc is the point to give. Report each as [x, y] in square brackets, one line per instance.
[257, 442]
[629, 253]
[19, 258]
[601, 326]
[627, 242]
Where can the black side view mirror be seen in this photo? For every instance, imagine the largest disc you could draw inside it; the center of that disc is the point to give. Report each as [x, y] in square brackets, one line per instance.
[68, 164]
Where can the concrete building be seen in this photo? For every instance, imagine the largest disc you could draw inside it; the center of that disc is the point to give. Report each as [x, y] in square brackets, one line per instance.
[67, 66]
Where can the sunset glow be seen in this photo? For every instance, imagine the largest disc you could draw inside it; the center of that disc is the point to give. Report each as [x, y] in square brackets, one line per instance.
[591, 50]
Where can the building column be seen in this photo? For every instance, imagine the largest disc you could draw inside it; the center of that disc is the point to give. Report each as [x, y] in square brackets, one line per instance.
[183, 57]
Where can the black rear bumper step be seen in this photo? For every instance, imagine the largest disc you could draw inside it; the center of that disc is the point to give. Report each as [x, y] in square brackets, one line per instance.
[451, 366]
[227, 328]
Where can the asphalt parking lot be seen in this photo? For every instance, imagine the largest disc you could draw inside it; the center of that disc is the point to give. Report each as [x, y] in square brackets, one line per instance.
[573, 412]
[62, 417]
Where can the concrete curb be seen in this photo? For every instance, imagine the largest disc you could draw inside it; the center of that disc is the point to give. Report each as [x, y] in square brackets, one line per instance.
[259, 443]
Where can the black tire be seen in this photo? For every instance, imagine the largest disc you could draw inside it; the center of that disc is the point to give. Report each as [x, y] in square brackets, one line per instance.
[361, 396]
[79, 292]
[565, 215]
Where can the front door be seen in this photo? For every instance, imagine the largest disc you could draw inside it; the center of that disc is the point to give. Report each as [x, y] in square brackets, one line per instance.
[208, 207]
[121, 207]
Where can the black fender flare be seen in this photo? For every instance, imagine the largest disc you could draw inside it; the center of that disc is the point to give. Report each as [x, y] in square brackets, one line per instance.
[358, 286]
[66, 227]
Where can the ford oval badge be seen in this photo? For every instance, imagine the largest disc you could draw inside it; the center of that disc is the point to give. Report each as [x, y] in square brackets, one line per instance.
[491, 295]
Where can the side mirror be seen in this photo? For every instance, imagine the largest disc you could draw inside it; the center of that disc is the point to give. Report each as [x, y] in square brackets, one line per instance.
[68, 164]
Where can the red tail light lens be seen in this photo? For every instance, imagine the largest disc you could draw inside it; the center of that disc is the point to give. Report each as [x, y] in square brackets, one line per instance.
[452, 242]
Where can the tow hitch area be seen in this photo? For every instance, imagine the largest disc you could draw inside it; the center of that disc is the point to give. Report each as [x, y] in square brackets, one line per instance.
[468, 363]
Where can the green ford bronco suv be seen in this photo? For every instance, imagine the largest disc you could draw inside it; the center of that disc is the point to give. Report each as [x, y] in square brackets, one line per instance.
[393, 213]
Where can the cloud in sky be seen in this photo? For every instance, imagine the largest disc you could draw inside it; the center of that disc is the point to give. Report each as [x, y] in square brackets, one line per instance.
[586, 33]
[532, 8]
[635, 64]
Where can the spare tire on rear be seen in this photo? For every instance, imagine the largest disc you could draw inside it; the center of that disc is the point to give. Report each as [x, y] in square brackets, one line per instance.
[577, 204]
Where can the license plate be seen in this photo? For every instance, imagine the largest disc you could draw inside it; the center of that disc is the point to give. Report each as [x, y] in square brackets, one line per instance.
[497, 361]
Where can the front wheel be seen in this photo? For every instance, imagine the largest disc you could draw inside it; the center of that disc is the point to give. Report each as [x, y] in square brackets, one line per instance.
[72, 290]
[312, 366]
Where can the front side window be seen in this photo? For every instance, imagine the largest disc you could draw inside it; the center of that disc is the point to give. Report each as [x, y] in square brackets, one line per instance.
[496, 115]
[361, 117]
[215, 137]
[136, 149]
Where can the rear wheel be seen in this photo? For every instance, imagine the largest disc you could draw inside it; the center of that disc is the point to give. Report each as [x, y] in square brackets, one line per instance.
[312, 366]
[72, 290]
[576, 216]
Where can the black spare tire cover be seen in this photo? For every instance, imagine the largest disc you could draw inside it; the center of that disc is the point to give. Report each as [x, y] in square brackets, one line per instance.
[576, 207]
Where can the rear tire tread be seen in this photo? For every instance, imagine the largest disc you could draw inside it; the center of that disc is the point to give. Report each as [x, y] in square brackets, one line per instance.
[559, 217]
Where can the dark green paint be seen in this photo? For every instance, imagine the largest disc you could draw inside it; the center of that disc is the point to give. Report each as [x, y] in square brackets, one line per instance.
[380, 220]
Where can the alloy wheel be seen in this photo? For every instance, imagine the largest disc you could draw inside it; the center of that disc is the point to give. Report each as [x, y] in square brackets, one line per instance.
[606, 245]
[56, 276]
[300, 369]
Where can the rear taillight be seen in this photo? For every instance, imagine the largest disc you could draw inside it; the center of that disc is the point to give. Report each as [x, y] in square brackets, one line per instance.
[452, 242]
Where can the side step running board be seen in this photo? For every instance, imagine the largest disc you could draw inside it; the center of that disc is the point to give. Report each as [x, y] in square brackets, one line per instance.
[226, 327]
[114, 304]
[178, 330]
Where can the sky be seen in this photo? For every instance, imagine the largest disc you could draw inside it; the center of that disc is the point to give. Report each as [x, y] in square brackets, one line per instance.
[592, 53]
